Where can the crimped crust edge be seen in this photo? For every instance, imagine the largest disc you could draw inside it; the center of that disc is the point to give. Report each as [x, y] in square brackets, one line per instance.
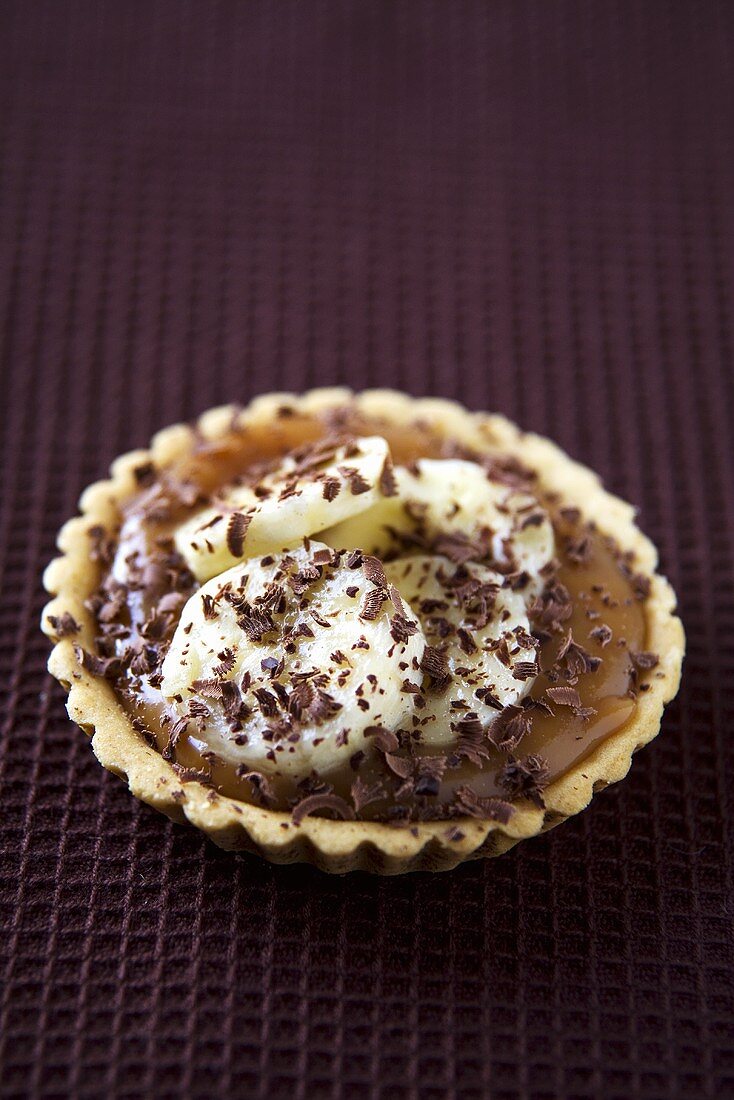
[340, 846]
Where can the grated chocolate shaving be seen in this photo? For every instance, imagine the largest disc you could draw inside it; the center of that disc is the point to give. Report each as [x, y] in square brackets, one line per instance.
[435, 664]
[507, 470]
[192, 775]
[145, 474]
[402, 628]
[358, 484]
[109, 667]
[372, 605]
[641, 585]
[268, 702]
[458, 547]
[471, 745]
[400, 766]
[178, 728]
[231, 699]
[103, 547]
[331, 488]
[466, 801]
[226, 663]
[467, 643]
[579, 550]
[564, 695]
[509, 727]
[383, 739]
[524, 670]
[525, 778]
[427, 785]
[64, 625]
[323, 706]
[364, 793]
[209, 606]
[552, 608]
[387, 481]
[574, 659]
[315, 802]
[254, 621]
[261, 785]
[210, 689]
[236, 531]
[645, 661]
[470, 725]
[374, 571]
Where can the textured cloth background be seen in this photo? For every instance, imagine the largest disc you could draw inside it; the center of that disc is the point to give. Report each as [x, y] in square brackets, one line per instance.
[526, 206]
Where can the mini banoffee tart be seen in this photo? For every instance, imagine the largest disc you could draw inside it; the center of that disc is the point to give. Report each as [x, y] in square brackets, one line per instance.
[364, 631]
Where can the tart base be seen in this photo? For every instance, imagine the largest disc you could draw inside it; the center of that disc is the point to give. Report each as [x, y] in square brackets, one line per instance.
[341, 846]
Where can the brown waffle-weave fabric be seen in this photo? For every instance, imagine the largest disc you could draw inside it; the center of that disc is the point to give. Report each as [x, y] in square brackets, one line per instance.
[526, 206]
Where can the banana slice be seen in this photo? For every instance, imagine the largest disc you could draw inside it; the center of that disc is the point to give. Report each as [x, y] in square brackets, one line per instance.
[440, 499]
[308, 492]
[480, 656]
[289, 662]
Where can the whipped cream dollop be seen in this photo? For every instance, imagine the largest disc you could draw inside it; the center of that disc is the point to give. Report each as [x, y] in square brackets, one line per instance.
[310, 490]
[304, 653]
[285, 665]
[453, 504]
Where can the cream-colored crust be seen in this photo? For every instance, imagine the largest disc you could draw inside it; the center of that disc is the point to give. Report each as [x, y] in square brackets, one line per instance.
[339, 846]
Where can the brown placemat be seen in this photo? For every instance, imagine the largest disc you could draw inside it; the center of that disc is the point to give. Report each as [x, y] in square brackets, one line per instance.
[527, 206]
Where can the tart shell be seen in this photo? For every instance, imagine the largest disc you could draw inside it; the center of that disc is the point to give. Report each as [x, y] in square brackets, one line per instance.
[341, 846]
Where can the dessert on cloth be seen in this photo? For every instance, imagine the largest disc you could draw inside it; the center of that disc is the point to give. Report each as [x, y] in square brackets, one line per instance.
[361, 630]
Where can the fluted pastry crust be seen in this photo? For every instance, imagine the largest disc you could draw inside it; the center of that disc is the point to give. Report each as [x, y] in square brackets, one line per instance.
[340, 846]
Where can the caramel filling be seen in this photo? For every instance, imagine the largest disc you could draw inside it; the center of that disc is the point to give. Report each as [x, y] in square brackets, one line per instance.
[572, 713]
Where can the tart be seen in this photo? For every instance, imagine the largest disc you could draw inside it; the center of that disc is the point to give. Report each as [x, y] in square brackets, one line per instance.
[363, 631]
